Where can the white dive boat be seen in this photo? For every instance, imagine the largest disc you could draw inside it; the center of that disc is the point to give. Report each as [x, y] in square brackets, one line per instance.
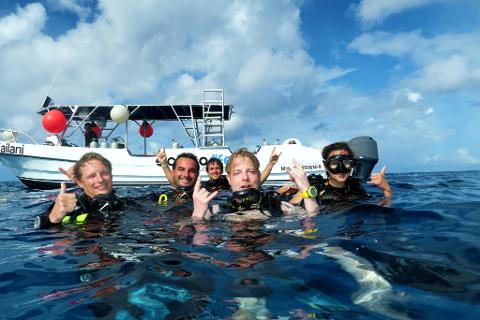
[36, 163]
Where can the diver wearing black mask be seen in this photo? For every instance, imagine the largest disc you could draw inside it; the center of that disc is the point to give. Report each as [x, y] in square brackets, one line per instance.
[341, 165]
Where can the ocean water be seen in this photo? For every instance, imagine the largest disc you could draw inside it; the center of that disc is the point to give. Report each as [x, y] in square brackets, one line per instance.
[416, 257]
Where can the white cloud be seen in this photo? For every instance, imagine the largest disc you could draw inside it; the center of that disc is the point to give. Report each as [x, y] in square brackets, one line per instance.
[254, 50]
[371, 12]
[429, 111]
[443, 63]
[465, 157]
[433, 158]
[386, 43]
[447, 74]
[414, 96]
[25, 24]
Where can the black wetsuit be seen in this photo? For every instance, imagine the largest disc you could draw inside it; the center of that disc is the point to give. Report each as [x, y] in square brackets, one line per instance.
[327, 193]
[214, 185]
[89, 137]
[86, 210]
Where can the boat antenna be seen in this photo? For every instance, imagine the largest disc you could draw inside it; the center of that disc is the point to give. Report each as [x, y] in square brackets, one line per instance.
[57, 73]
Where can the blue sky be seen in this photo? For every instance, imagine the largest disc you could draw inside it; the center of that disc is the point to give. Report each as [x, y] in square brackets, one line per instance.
[406, 72]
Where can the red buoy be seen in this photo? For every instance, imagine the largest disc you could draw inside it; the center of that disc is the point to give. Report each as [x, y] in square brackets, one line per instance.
[146, 130]
[54, 121]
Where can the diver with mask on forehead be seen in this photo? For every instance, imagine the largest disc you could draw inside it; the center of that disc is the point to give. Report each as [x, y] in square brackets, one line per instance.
[339, 162]
[93, 174]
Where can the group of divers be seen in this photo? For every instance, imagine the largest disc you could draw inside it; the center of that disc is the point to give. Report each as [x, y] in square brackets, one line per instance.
[305, 197]
[93, 174]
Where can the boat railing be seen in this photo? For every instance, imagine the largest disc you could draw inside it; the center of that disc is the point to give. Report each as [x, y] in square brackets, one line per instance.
[9, 135]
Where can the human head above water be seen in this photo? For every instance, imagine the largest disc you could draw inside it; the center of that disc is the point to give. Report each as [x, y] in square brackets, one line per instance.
[243, 171]
[185, 170]
[215, 161]
[187, 155]
[341, 145]
[339, 162]
[242, 153]
[89, 156]
[214, 169]
[94, 174]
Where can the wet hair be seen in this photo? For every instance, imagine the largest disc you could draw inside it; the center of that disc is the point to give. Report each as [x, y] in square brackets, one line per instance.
[341, 145]
[188, 155]
[215, 160]
[242, 153]
[89, 156]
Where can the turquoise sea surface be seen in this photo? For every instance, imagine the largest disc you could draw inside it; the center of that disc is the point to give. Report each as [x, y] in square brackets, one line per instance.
[416, 257]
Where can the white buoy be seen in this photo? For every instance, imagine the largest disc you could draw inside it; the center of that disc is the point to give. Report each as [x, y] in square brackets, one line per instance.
[119, 113]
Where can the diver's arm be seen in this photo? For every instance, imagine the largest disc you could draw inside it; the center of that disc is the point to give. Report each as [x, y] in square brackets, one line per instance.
[64, 203]
[298, 176]
[380, 181]
[162, 161]
[271, 162]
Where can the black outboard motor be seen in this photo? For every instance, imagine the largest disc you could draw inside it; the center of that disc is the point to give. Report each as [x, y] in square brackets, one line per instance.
[366, 156]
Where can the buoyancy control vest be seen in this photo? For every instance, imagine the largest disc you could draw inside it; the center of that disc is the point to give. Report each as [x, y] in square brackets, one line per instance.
[327, 193]
[86, 209]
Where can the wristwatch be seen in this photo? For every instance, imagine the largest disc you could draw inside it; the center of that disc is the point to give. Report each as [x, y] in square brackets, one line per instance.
[310, 193]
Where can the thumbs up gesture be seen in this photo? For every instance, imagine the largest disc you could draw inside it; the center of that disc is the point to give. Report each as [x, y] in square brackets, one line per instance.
[380, 181]
[64, 203]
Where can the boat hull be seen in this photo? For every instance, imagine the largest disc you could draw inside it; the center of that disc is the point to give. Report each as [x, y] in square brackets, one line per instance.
[37, 165]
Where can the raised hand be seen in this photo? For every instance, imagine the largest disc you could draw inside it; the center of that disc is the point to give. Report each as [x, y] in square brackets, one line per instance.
[298, 176]
[201, 199]
[69, 173]
[64, 203]
[379, 180]
[271, 162]
[274, 156]
[162, 156]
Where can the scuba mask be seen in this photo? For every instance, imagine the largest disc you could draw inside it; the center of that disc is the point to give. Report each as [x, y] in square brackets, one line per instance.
[105, 203]
[246, 199]
[340, 164]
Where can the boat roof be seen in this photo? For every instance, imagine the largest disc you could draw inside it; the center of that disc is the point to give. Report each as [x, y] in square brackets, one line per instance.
[140, 112]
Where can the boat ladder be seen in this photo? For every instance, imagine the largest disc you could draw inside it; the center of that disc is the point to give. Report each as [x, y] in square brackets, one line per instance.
[213, 121]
